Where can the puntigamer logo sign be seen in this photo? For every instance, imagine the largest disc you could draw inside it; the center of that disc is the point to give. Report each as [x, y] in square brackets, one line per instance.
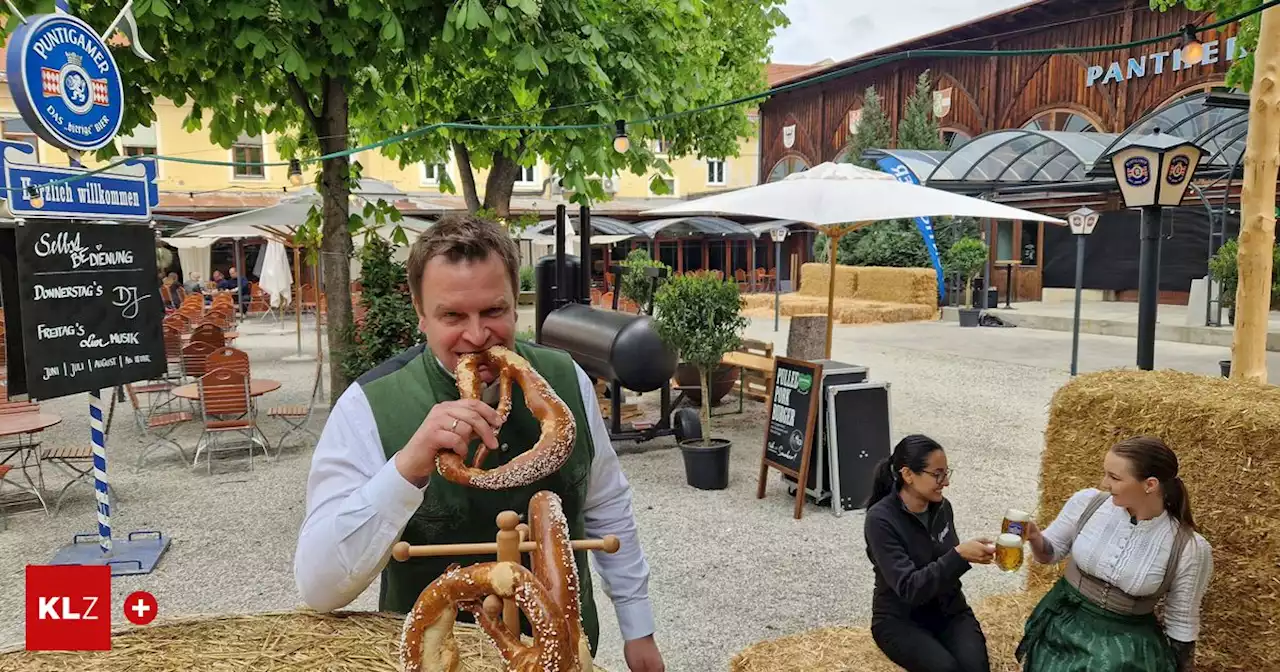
[65, 82]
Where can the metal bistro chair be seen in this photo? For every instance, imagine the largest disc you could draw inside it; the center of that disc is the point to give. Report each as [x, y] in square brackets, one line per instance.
[156, 426]
[4, 473]
[224, 393]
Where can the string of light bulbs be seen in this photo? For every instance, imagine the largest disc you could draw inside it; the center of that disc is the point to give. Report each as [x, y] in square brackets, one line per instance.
[1188, 37]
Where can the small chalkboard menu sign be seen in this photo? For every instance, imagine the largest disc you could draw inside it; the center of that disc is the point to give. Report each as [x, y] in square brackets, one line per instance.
[788, 435]
[90, 303]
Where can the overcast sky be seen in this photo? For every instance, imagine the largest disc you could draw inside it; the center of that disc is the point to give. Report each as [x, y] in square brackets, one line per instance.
[840, 29]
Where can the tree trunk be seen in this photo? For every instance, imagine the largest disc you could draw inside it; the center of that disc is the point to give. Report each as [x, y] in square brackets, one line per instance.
[463, 155]
[705, 377]
[1258, 203]
[500, 185]
[336, 244]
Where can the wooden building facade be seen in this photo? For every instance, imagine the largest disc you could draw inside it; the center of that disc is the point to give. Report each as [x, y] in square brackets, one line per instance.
[1103, 92]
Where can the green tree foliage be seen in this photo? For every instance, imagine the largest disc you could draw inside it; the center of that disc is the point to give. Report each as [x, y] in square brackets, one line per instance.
[1241, 73]
[697, 315]
[874, 130]
[918, 128]
[390, 323]
[634, 284]
[557, 62]
[308, 68]
[967, 257]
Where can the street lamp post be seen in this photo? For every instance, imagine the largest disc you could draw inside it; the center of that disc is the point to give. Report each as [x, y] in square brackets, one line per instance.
[1082, 222]
[1153, 172]
[779, 234]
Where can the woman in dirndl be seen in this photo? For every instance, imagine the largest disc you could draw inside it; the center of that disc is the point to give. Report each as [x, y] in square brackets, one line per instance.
[1128, 545]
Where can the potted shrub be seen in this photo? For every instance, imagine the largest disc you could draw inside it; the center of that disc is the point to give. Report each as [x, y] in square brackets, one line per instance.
[697, 316]
[967, 257]
[634, 284]
[1222, 265]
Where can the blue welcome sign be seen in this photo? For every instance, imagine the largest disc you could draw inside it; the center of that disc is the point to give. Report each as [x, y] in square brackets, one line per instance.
[65, 82]
[125, 192]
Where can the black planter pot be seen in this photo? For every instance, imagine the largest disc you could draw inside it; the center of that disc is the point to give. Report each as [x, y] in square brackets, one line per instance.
[969, 317]
[706, 467]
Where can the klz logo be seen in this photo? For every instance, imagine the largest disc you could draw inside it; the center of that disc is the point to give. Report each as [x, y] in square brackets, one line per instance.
[68, 608]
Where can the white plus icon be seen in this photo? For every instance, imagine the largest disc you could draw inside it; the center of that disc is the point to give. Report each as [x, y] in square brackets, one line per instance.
[141, 608]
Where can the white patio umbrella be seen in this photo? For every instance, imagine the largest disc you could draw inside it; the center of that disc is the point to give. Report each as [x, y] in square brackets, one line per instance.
[276, 280]
[837, 198]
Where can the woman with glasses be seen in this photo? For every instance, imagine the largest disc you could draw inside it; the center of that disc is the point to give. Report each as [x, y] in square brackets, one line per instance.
[919, 616]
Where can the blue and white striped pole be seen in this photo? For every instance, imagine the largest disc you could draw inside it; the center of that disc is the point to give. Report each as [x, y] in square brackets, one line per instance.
[98, 433]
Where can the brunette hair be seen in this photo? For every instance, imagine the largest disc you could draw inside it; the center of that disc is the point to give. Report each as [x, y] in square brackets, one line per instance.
[1149, 457]
[461, 237]
[912, 452]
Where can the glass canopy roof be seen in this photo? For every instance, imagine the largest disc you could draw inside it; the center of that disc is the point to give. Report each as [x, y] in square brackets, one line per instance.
[1020, 156]
[1220, 131]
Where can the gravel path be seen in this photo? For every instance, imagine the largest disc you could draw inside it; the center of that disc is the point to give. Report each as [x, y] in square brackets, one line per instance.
[728, 569]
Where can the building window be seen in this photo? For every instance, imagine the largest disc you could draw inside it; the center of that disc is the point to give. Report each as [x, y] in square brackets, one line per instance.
[671, 187]
[1060, 120]
[432, 172]
[1004, 241]
[245, 153]
[527, 175]
[1030, 250]
[659, 146]
[142, 142]
[715, 171]
[787, 166]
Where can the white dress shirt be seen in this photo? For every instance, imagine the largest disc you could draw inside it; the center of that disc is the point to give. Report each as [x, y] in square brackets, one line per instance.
[358, 504]
[1133, 557]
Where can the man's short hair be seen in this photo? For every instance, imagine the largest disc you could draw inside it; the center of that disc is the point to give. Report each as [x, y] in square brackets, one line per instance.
[462, 237]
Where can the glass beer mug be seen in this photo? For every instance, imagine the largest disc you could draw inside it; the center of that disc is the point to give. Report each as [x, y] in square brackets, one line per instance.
[1009, 552]
[1015, 522]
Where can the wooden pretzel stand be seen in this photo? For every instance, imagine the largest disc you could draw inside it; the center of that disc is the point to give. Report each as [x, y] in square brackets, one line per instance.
[512, 541]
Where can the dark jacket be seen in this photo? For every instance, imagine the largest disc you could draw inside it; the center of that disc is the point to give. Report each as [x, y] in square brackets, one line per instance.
[917, 570]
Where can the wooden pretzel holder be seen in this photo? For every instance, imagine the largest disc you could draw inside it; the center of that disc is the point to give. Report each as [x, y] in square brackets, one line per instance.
[512, 541]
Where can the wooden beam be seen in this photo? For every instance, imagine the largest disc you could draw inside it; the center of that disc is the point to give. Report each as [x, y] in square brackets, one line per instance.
[1258, 205]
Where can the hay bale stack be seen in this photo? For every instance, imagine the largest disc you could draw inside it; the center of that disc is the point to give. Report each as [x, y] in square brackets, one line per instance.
[1227, 437]
[915, 286]
[846, 649]
[279, 642]
[848, 311]
[815, 279]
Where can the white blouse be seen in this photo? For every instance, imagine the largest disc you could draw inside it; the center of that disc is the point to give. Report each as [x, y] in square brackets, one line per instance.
[1133, 557]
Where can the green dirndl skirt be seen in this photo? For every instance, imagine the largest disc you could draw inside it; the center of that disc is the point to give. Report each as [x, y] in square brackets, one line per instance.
[1068, 633]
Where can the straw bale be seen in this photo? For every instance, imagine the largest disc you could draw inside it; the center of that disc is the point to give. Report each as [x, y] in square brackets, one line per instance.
[848, 311]
[815, 279]
[1227, 437]
[917, 286]
[849, 649]
[291, 641]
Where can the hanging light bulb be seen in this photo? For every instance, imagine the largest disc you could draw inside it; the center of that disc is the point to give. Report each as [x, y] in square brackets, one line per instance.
[295, 172]
[34, 197]
[620, 141]
[1192, 48]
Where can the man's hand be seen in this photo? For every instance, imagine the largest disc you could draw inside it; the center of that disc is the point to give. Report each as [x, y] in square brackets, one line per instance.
[450, 425]
[642, 655]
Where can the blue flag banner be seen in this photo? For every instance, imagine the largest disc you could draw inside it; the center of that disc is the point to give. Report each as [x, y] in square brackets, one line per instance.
[126, 192]
[897, 169]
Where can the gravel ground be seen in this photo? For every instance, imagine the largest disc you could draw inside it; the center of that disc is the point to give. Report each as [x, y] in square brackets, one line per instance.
[728, 570]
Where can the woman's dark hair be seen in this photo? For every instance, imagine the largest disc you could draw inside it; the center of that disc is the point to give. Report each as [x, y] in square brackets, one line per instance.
[1149, 457]
[912, 452]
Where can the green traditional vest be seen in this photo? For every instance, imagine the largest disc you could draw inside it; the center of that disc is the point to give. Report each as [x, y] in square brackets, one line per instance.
[401, 391]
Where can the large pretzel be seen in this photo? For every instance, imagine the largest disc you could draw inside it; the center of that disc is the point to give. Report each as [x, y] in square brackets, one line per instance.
[558, 426]
[548, 595]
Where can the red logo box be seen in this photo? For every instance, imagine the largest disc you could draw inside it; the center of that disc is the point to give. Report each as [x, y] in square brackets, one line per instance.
[68, 608]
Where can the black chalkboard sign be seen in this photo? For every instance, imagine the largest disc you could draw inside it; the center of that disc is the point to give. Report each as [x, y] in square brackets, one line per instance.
[792, 409]
[91, 308]
[15, 385]
[858, 438]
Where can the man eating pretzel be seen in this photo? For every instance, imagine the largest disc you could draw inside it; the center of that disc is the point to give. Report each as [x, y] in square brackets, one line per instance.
[374, 481]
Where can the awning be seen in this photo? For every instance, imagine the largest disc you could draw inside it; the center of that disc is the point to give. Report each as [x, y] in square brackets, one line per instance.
[763, 228]
[599, 225]
[574, 242]
[1220, 131]
[1019, 157]
[694, 226]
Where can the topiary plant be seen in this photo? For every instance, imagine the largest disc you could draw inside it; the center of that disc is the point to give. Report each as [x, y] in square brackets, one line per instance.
[967, 257]
[697, 316]
[634, 284]
[390, 324]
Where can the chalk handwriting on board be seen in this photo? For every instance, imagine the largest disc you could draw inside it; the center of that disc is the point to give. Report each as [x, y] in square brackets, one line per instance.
[68, 245]
[127, 298]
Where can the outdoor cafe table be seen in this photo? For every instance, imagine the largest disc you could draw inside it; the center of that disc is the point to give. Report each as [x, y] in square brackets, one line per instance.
[12, 424]
[257, 388]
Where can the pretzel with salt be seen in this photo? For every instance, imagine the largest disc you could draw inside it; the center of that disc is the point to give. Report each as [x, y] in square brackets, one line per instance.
[553, 415]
